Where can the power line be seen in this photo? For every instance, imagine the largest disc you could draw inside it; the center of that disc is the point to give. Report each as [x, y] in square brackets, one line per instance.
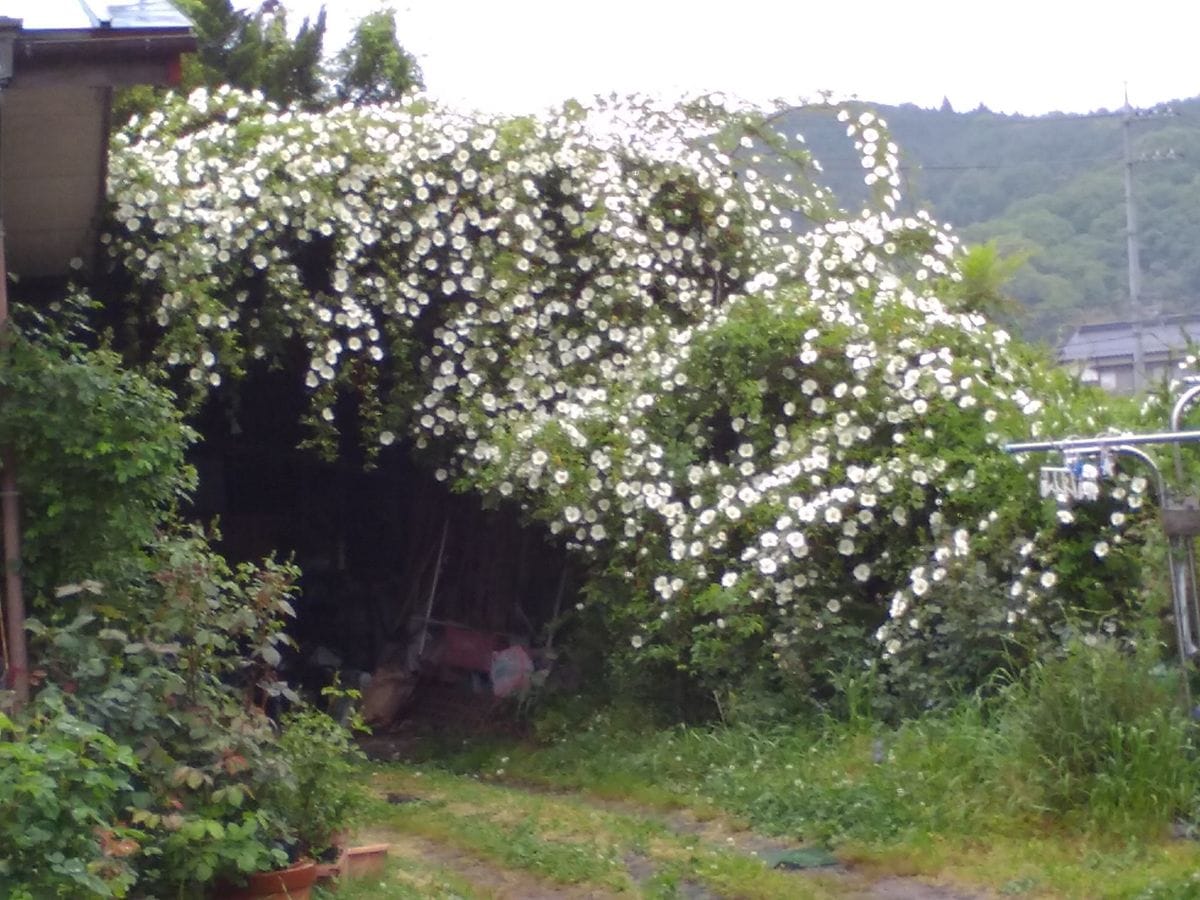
[1158, 111]
[985, 167]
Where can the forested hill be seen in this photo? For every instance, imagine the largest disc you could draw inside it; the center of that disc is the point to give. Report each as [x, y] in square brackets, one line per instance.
[1050, 186]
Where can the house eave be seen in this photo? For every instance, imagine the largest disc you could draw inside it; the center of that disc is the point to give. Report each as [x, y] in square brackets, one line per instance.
[99, 58]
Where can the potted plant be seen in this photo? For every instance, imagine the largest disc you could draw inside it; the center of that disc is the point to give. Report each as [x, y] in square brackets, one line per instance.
[322, 794]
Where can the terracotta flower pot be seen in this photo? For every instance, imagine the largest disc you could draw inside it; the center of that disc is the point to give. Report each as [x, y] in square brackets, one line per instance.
[328, 875]
[362, 862]
[293, 883]
[353, 862]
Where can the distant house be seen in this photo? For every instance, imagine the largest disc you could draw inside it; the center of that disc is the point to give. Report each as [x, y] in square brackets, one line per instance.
[1103, 354]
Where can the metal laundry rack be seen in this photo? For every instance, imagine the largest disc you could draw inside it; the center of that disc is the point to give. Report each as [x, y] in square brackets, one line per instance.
[1180, 511]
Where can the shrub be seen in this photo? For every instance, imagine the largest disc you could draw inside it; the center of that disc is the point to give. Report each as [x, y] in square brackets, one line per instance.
[64, 787]
[171, 688]
[144, 757]
[101, 452]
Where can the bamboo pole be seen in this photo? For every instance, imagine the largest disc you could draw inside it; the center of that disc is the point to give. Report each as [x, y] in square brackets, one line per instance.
[437, 574]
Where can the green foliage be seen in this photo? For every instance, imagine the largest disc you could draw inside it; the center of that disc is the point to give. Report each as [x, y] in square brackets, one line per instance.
[251, 49]
[1092, 741]
[688, 844]
[373, 67]
[100, 454]
[1100, 733]
[516, 839]
[236, 619]
[63, 787]
[170, 688]
[1047, 186]
[942, 798]
[143, 753]
[983, 278]
[825, 781]
[172, 678]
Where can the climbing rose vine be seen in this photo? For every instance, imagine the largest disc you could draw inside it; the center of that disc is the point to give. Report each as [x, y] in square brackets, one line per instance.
[768, 426]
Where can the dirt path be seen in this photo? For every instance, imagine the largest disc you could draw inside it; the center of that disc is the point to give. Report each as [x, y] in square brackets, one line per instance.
[651, 871]
[719, 833]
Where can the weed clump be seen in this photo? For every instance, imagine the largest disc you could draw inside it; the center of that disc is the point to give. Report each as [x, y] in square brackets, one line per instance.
[1101, 735]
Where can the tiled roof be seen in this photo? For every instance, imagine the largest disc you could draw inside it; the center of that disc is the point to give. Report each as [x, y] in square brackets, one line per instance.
[1111, 340]
[82, 15]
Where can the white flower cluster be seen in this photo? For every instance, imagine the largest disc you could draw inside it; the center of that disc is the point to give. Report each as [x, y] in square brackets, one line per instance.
[607, 317]
[574, 240]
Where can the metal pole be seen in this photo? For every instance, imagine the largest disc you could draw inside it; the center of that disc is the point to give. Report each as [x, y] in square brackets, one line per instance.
[18, 656]
[1181, 542]
[1084, 445]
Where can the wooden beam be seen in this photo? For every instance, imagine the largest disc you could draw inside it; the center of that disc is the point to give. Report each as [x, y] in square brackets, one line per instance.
[89, 73]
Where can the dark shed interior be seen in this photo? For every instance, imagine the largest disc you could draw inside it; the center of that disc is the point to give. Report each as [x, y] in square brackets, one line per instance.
[390, 556]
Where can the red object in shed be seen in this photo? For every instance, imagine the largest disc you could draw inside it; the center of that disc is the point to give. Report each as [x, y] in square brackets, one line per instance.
[468, 649]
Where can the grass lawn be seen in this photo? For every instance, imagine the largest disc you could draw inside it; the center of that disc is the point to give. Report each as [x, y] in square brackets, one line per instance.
[932, 809]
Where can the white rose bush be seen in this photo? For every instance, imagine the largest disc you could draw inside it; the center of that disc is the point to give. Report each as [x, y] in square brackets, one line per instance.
[772, 431]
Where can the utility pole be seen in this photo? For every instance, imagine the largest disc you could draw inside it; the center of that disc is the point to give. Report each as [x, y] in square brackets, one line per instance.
[1132, 251]
[1137, 312]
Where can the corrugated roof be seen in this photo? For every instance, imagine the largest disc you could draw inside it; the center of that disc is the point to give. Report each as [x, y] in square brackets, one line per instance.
[1115, 339]
[144, 14]
[80, 15]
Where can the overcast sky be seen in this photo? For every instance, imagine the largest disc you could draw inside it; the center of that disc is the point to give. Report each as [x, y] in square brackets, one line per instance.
[1027, 56]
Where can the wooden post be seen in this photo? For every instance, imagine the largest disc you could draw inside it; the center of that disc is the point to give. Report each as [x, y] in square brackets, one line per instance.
[14, 599]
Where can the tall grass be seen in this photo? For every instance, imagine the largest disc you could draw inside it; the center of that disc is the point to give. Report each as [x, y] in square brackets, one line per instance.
[1103, 739]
